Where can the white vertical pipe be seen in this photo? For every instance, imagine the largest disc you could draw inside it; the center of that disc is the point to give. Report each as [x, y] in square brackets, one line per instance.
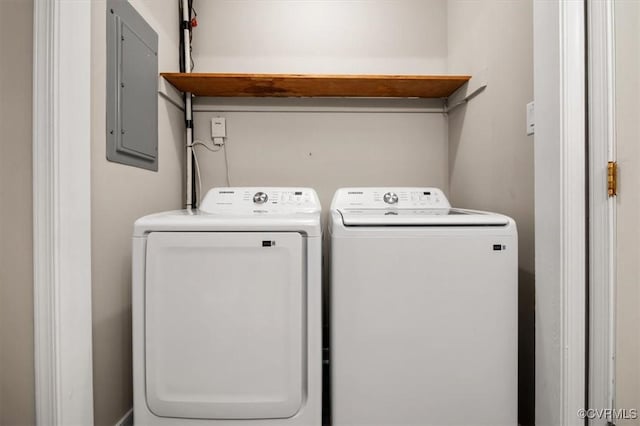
[187, 105]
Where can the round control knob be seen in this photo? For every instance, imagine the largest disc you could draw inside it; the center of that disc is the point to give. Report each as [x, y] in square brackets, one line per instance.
[260, 198]
[390, 198]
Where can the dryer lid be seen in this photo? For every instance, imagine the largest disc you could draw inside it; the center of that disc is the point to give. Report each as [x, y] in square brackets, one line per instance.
[420, 217]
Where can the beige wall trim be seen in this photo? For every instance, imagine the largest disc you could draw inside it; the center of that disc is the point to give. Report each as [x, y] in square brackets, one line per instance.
[601, 206]
[61, 212]
[559, 89]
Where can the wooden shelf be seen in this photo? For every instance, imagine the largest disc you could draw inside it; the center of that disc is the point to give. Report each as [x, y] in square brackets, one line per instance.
[306, 85]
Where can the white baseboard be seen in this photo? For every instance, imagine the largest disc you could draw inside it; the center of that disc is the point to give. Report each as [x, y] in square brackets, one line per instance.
[126, 420]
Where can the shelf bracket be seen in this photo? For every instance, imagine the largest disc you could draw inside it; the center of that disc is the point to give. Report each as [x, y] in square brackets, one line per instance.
[470, 90]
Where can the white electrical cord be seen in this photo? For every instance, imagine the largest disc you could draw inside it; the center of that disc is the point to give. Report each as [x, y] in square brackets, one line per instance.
[197, 164]
[197, 142]
[226, 164]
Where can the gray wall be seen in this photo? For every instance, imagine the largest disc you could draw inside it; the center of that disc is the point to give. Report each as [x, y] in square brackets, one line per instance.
[352, 37]
[17, 399]
[311, 143]
[119, 195]
[490, 155]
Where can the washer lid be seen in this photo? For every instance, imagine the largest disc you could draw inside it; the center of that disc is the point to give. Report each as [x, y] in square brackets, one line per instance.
[420, 217]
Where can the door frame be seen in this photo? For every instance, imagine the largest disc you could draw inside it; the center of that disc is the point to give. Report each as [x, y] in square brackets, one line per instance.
[602, 208]
[560, 210]
[62, 212]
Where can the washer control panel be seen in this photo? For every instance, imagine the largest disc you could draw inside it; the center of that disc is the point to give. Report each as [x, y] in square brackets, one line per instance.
[385, 198]
[252, 200]
[390, 198]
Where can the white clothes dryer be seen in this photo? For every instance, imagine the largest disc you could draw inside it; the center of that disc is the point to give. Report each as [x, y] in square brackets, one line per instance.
[424, 311]
[226, 305]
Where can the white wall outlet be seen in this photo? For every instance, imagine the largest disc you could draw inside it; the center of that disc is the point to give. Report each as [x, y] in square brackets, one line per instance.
[218, 127]
[531, 122]
[218, 130]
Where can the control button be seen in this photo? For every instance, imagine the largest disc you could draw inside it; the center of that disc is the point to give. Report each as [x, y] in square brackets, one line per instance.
[390, 198]
[260, 198]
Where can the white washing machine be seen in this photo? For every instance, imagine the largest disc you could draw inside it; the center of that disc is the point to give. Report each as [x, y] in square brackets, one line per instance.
[424, 311]
[227, 311]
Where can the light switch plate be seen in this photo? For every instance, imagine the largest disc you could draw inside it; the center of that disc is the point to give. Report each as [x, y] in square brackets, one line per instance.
[531, 119]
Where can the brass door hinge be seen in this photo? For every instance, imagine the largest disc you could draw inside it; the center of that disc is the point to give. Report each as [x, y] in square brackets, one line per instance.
[612, 178]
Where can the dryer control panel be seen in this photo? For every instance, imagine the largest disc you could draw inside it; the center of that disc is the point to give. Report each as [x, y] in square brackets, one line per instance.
[257, 200]
[391, 197]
